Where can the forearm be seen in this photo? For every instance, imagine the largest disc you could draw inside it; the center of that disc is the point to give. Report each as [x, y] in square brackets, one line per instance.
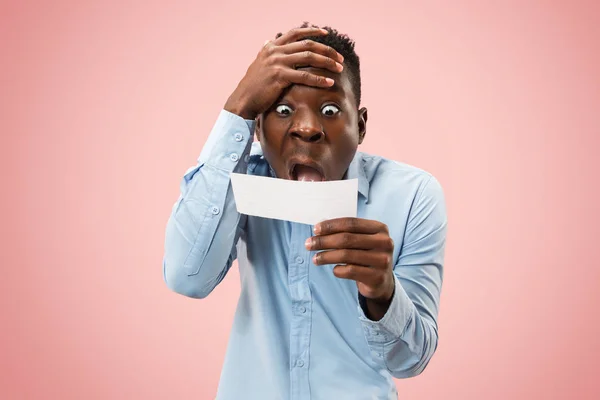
[408, 331]
[402, 339]
[200, 238]
[204, 224]
[412, 352]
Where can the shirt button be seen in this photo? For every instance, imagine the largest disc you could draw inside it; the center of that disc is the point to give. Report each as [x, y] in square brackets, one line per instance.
[215, 210]
[233, 157]
[238, 137]
[299, 260]
[302, 309]
[300, 363]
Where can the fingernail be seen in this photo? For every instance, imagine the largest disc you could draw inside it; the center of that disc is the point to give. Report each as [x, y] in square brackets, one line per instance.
[317, 228]
[329, 81]
[340, 67]
[342, 57]
[314, 259]
[324, 31]
[308, 243]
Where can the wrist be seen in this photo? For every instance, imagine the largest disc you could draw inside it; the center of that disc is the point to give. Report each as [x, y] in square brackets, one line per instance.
[236, 105]
[376, 308]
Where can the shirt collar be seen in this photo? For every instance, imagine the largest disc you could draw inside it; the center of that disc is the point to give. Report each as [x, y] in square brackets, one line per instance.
[356, 170]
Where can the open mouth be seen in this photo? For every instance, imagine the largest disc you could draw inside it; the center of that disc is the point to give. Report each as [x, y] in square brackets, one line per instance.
[306, 172]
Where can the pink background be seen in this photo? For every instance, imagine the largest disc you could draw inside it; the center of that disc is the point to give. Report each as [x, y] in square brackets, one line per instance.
[104, 106]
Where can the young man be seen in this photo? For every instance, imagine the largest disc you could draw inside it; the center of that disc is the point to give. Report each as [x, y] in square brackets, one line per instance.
[332, 311]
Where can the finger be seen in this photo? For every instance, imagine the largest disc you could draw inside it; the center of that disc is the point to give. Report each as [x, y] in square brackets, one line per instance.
[310, 59]
[315, 47]
[355, 225]
[373, 259]
[268, 45]
[359, 273]
[265, 45]
[346, 240]
[291, 76]
[299, 33]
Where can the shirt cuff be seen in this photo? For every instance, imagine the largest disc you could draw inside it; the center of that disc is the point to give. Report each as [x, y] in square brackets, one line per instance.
[229, 142]
[391, 327]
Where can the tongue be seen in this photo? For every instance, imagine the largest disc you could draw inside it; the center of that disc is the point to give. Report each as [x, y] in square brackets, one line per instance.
[304, 173]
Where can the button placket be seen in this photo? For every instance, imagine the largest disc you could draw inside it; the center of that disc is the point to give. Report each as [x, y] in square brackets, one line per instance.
[300, 329]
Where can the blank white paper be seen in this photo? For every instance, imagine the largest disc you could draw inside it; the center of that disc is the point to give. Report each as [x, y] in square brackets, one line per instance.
[296, 201]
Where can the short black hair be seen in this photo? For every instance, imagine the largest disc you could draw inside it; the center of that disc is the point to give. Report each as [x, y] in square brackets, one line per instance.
[345, 46]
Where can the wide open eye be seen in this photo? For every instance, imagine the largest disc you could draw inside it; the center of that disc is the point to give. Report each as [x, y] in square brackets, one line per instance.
[283, 109]
[330, 110]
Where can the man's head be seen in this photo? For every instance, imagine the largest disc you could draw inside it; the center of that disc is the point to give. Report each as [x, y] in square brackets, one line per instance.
[313, 133]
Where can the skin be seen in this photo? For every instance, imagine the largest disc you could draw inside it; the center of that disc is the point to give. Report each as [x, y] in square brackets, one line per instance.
[306, 114]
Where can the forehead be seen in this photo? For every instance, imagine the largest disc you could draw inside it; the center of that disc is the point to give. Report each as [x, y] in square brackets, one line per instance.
[342, 86]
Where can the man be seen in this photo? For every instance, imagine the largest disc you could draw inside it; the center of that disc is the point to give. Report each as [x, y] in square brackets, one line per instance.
[332, 311]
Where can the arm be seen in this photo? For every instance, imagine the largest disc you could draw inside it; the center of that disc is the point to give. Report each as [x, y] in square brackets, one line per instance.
[398, 301]
[204, 225]
[406, 337]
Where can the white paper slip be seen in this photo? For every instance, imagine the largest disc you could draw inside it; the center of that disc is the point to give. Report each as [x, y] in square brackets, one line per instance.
[296, 201]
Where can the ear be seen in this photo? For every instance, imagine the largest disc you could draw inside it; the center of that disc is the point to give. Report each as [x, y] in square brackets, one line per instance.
[362, 124]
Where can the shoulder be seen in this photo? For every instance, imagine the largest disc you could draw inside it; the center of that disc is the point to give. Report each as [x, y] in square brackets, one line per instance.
[395, 177]
[410, 200]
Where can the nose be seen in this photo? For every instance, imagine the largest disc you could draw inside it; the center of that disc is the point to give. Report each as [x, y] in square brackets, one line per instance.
[307, 127]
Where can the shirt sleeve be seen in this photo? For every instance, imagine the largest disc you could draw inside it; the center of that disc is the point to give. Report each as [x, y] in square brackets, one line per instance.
[405, 339]
[204, 225]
